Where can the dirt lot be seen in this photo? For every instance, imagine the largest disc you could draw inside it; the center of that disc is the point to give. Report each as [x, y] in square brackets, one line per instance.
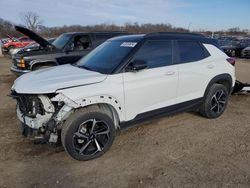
[185, 150]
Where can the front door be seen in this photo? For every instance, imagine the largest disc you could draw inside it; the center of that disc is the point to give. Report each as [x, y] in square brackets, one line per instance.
[154, 87]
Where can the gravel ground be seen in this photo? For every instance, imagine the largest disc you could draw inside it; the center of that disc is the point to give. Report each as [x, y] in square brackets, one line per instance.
[184, 150]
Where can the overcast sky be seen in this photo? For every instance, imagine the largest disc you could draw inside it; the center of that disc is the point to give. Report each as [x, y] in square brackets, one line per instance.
[198, 14]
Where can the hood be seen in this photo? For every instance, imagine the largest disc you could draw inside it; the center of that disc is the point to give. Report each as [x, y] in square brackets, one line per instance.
[40, 40]
[51, 79]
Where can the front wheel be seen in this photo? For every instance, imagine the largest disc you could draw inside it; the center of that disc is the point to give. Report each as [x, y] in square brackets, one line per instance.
[233, 53]
[215, 101]
[88, 134]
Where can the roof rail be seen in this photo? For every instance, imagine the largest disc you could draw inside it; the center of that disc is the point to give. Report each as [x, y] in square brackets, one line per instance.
[174, 33]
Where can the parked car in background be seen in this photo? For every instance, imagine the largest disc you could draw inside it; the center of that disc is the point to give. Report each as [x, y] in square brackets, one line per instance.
[66, 49]
[125, 80]
[228, 38]
[16, 43]
[246, 52]
[31, 47]
[5, 40]
[233, 48]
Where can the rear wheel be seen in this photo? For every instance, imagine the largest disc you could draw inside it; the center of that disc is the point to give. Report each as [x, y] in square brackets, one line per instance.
[233, 53]
[88, 134]
[215, 101]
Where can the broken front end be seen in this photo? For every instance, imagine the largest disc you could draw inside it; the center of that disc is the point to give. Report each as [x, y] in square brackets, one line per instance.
[41, 116]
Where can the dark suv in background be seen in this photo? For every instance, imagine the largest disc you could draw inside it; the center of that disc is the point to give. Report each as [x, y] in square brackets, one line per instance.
[234, 47]
[66, 49]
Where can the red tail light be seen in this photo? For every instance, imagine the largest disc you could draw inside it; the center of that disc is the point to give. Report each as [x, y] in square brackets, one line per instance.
[231, 61]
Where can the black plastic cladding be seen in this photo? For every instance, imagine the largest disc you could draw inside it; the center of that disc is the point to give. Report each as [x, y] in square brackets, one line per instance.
[158, 36]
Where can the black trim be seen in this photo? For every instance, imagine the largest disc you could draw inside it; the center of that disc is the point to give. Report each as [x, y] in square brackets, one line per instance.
[220, 78]
[162, 112]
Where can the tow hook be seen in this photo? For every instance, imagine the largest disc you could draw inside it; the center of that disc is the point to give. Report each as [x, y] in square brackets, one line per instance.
[241, 87]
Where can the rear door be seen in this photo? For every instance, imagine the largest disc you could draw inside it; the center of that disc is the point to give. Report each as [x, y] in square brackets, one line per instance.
[155, 87]
[194, 67]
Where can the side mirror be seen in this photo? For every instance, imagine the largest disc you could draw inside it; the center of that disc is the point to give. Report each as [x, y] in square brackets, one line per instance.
[136, 65]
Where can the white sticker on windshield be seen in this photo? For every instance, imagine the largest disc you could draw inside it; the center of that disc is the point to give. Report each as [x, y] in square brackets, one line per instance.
[129, 44]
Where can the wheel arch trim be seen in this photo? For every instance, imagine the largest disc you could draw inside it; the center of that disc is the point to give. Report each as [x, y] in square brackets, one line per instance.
[103, 99]
[220, 79]
[110, 101]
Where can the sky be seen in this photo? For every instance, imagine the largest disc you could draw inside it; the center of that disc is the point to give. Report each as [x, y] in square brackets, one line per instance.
[194, 14]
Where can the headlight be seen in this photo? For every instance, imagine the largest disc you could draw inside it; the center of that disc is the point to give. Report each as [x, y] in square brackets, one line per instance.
[21, 63]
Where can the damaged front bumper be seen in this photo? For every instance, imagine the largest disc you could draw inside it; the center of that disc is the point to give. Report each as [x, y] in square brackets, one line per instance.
[33, 123]
[40, 116]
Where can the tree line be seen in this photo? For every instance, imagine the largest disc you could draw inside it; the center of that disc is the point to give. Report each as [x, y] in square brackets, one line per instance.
[7, 28]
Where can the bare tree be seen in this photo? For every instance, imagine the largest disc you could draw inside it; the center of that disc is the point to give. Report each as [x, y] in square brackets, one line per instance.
[31, 20]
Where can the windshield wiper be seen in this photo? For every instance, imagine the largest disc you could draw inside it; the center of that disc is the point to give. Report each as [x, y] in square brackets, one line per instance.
[84, 67]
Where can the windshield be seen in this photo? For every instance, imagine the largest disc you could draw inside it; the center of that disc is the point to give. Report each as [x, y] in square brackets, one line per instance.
[106, 57]
[61, 41]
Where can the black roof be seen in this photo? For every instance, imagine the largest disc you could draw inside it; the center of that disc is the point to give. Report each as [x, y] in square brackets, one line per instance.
[167, 35]
[128, 38]
[179, 34]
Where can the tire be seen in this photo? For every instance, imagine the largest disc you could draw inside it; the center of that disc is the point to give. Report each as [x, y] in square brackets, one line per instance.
[215, 101]
[10, 47]
[233, 53]
[84, 142]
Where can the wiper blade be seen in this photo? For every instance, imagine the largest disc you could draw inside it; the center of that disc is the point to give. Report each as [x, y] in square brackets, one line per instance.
[87, 68]
[82, 66]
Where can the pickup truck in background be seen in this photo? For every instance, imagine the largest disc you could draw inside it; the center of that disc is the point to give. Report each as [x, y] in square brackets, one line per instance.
[66, 49]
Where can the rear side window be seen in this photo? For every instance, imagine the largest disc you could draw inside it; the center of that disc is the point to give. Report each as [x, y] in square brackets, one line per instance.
[155, 53]
[190, 51]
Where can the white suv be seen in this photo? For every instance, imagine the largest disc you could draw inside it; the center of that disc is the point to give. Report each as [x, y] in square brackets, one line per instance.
[125, 80]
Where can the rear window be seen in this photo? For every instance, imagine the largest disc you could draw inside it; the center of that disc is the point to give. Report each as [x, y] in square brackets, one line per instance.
[190, 51]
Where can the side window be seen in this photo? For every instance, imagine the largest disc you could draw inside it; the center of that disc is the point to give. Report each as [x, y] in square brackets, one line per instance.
[80, 43]
[155, 53]
[190, 51]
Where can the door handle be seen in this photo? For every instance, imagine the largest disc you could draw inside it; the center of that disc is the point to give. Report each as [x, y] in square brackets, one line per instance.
[210, 66]
[169, 73]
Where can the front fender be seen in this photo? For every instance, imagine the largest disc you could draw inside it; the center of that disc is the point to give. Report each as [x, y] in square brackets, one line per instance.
[87, 101]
